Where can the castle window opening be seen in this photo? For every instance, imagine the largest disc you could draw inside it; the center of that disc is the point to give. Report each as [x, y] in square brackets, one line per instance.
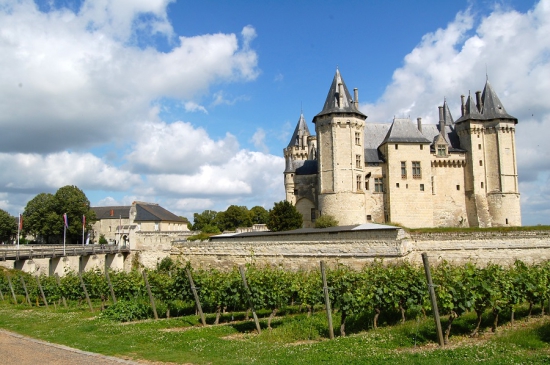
[367, 184]
[421, 147]
[417, 171]
[506, 220]
[313, 215]
[379, 185]
[369, 217]
[358, 161]
[479, 146]
[458, 187]
[357, 138]
[441, 150]
[396, 185]
[480, 162]
[421, 187]
[358, 182]
[482, 184]
[403, 169]
[396, 146]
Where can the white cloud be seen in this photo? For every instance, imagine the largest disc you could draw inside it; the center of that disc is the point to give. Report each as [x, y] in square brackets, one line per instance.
[76, 80]
[258, 139]
[513, 47]
[191, 106]
[178, 148]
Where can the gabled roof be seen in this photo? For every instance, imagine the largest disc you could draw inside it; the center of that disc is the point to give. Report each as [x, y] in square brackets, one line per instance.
[114, 212]
[300, 131]
[430, 131]
[492, 107]
[403, 131]
[332, 103]
[374, 136]
[154, 212]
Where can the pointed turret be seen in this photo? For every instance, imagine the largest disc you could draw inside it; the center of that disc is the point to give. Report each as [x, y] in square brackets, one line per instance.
[492, 106]
[447, 117]
[470, 111]
[339, 99]
[301, 132]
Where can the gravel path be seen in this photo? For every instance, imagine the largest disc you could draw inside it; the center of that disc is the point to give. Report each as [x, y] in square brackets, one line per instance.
[20, 350]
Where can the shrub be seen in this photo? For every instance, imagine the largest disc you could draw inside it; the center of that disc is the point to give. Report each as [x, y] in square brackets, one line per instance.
[102, 239]
[326, 221]
[127, 310]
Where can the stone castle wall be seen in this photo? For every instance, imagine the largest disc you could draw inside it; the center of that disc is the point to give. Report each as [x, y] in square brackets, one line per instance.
[357, 248]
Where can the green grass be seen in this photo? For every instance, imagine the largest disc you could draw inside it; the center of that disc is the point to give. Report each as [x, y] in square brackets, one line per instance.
[295, 339]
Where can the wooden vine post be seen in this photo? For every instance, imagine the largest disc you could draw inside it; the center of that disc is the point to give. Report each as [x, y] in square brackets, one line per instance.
[11, 289]
[1, 295]
[110, 286]
[249, 296]
[58, 281]
[151, 299]
[196, 295]
[85, 292]
[433, 299]
[41, 291]
[327, 300]
[25, 289]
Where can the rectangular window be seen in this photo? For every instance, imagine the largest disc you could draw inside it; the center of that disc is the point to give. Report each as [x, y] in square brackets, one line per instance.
[367, 184]
[421, 187]
[421, 147]
[403, 169]
[358, 161]
[379, 185]
[458, 187]
[396, 185]
[417, 171]
[441, 150]
[369, 217]
[313, 216]
[478, 146]
[358, 182]
[480, 162]
[396, 146]
[357, 138]
[482, 184]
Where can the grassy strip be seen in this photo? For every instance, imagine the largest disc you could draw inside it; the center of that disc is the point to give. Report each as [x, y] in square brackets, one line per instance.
[295, 339]
[477, 229]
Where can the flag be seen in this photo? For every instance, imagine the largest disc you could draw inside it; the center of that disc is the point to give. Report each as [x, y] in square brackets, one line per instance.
[83, 221]
[65, 220]
[20, 222]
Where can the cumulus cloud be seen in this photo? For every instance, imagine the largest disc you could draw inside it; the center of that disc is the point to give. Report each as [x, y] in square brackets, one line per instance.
[178, 148]
[513, 49]
[191, 106]
[76, 78]
[258, 139]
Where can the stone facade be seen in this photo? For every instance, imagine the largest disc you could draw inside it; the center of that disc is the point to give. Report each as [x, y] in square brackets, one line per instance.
[356, 248]
[461, 173]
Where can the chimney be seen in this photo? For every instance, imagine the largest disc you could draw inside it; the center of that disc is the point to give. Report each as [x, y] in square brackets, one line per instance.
[340, 95]
[112, 212]
[462, 106]
[419, 123]
[441, 120]
[356, 98]
[478, 101]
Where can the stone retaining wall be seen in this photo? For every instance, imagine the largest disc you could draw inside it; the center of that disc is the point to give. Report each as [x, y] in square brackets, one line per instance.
[359, 247]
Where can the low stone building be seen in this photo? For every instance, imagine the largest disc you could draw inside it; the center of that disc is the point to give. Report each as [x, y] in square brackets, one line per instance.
[119, 224]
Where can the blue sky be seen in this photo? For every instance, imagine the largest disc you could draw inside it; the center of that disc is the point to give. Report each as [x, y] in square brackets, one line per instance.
[189, 104]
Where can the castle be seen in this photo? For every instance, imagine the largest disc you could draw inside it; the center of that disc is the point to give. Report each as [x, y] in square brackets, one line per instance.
[455, 173]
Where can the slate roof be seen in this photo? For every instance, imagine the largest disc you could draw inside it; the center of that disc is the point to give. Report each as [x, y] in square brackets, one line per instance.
[431, 131]
[332, 101]
[300, 131]
[154, 212]
[115, 212]
[309, 167]
[492, 107]
[403, 131]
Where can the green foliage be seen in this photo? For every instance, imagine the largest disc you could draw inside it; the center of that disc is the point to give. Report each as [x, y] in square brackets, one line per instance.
[206, 218]
[234, 217]
[326, 221]
[102, 239]
[200, 237]
[166, 265]
[41, 218]
[127, 310]
[8, 226]
[259, 215]
[284, 217]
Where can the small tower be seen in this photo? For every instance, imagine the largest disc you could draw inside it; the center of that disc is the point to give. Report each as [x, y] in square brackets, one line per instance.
[487, 132]
[298, 149]
[340, 155]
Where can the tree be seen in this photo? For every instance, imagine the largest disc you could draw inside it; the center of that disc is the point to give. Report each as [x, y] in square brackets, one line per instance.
[206, 218]
[41, 219]
[326, 221]
[284, 217]
[259, 215]
[72, 201]
[235, 216]
[8, 226]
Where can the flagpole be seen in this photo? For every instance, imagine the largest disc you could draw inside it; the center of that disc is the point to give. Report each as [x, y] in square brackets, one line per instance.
[83, 224]
[18, 230]
[64, 232]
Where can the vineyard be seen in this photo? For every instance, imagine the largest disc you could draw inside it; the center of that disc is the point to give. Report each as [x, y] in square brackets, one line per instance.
[382, 293]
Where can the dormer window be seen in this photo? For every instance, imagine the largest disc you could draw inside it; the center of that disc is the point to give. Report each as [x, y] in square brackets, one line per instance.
[441, 150]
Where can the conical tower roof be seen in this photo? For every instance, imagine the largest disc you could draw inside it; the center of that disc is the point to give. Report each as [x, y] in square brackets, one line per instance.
[470, 111]
[336, 103]
[492, 106]
[447, 117]
[300, 131]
